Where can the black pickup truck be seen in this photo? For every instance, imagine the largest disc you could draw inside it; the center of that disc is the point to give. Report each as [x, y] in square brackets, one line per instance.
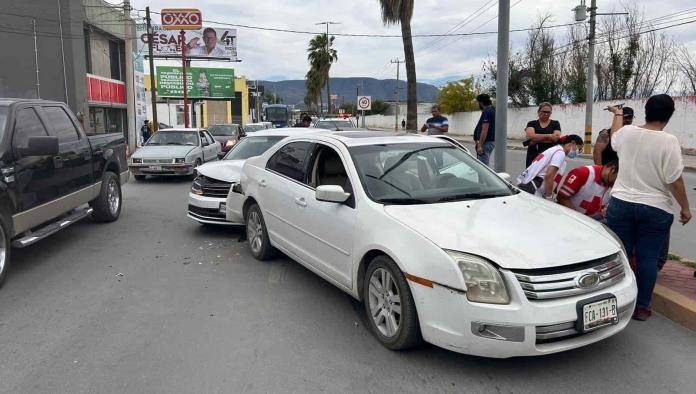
[52, 174]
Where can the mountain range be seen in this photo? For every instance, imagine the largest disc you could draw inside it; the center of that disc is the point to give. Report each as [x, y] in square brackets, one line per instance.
[293, 91]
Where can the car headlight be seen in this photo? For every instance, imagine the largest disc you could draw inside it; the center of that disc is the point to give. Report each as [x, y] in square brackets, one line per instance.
[230, 143]
[137, 161]
[196, 187]
[483, 281]
[179, 161]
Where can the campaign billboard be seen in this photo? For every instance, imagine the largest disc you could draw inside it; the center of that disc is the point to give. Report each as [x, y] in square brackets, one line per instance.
[207, 43]
[214, 83]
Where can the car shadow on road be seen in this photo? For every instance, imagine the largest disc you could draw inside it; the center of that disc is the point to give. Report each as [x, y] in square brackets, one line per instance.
[170, 180]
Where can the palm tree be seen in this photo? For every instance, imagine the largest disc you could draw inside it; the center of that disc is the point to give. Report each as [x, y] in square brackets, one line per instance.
[401, 11]
[321, 57]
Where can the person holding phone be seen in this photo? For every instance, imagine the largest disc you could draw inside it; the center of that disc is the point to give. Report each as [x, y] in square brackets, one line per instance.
[437, 125]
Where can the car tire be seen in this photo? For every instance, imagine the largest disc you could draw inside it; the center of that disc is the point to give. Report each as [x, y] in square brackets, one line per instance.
[257, 234]
[5, 249]
[389, 306]
[107, 207]
[140, 178]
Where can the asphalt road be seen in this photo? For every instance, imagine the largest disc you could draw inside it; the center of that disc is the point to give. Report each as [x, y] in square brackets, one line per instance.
[155, 303]
[682, 237]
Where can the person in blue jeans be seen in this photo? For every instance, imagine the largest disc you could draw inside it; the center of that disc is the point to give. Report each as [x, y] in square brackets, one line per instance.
[484, 133]
[640, 211]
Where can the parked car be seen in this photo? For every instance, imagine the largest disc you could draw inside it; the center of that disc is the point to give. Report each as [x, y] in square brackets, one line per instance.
[268, 125]
[254, 127]
[209, 191]
[336, 124]
[226, 134]
[436, 245]
[174, 152]
[52, 174]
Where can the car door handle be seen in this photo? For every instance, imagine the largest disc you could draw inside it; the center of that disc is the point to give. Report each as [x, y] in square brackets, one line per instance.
[301, 201]
[262, 183]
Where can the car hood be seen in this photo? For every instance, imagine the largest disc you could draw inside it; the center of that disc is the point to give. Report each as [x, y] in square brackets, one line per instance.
[225, 170]
[520, 231]
[163, 151]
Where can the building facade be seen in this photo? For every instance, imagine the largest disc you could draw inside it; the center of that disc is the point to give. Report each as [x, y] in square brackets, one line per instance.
[77, 52]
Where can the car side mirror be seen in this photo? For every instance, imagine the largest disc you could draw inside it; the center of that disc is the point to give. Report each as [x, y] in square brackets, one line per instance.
[221, 155]
[41, 146]
[331, 193]
[505, 176]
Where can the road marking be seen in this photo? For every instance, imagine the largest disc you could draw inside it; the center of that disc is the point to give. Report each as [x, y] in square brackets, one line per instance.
[275, 275]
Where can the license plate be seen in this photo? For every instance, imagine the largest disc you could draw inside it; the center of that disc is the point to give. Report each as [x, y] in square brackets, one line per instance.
[155, 168]
[598, 314]
[223, 207]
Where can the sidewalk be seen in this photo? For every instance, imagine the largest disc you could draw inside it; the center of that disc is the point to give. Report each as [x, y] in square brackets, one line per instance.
[675, 294]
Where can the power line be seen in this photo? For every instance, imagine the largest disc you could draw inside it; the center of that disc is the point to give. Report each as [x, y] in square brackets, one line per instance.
[462, 23]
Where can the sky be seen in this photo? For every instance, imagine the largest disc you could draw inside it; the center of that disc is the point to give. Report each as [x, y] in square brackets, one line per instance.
[276, 56]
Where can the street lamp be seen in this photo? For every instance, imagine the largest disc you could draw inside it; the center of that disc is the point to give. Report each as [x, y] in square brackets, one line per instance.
[328, 48]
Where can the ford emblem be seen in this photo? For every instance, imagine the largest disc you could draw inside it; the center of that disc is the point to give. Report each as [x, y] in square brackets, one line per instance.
[587, 280]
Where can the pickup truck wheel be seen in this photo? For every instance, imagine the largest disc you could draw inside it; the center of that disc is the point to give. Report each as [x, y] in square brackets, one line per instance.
[257, 235]
[107, 207]
[5, 249]
[391, 311]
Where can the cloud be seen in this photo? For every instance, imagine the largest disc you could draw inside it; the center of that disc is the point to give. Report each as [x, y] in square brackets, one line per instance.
[271, 54]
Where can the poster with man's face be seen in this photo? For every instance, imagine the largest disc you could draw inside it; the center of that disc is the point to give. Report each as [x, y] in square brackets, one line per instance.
[210, 42]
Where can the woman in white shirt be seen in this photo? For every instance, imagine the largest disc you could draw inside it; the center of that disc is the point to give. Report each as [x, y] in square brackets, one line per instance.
[640, 211]
[547, 169]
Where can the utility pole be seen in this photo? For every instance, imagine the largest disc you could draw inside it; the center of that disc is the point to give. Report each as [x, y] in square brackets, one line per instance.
[62, 54]
[501, 90]
[36, 60]
[153, 89]
[589, 97]
[362, 90]
[182, 40]
[396, 94]
[328, 59]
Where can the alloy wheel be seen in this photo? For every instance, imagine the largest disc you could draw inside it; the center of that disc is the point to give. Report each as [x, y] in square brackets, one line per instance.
[385, 302]
[113, 197]
[255, 232]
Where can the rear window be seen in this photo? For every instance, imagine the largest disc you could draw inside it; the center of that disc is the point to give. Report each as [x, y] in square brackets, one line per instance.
[3, 121]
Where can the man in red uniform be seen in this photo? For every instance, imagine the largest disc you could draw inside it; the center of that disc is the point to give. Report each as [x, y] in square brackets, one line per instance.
[586, 189]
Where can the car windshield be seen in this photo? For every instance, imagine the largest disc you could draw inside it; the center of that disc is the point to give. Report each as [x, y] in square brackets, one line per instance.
[174, 137]
[223, 130]
[334, 124]
[3, 120]
[251, 147]
[251, 128]
[424, 173]
[276, 114]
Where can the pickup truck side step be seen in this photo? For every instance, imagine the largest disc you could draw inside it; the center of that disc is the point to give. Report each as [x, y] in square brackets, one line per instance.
[32, 237]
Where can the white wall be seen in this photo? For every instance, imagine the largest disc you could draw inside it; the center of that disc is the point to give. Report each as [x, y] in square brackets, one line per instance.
[571, 117]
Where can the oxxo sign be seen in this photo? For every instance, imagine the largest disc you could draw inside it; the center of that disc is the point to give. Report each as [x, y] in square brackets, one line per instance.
[181, 19]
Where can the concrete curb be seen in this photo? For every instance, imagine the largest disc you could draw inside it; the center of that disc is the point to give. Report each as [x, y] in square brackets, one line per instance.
[675, 306]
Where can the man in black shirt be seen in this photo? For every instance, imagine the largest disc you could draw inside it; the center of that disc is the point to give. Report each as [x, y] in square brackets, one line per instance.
[603, 153]
[484, 134]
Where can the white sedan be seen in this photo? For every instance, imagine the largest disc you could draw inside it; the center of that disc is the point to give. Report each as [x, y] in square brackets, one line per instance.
[209, 190]
[436, 245]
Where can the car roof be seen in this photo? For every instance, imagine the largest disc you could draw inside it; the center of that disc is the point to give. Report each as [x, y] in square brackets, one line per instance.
[363, 138]
[287, 131]
[180, 129]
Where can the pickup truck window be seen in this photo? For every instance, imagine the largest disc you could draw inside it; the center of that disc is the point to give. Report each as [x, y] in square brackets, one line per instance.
[27, 125]
[63, 127]
[3, 120]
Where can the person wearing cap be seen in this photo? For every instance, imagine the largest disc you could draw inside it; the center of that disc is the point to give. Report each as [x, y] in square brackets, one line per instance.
[641, 209]
[587, 189]
[546, 171]
[603, 153]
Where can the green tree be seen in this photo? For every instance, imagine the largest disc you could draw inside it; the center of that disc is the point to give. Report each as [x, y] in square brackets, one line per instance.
[401, 12]
[459, 96]
[321, 56]
[378, 107]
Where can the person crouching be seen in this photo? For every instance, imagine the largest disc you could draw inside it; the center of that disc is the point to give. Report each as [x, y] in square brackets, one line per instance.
[587, 189]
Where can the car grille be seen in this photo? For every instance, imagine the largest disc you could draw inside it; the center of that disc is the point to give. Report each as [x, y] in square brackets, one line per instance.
[213, 187]
[206, 213]
[562, 331]
[158, 161]
[560, 282]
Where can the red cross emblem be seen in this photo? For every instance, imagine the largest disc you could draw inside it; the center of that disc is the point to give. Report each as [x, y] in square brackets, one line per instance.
[592, 207]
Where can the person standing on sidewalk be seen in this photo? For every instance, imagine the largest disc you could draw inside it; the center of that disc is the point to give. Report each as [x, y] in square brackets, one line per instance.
[437, 125]
[602, 152]
[484, 134]
[542, 133]
[640, 209]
